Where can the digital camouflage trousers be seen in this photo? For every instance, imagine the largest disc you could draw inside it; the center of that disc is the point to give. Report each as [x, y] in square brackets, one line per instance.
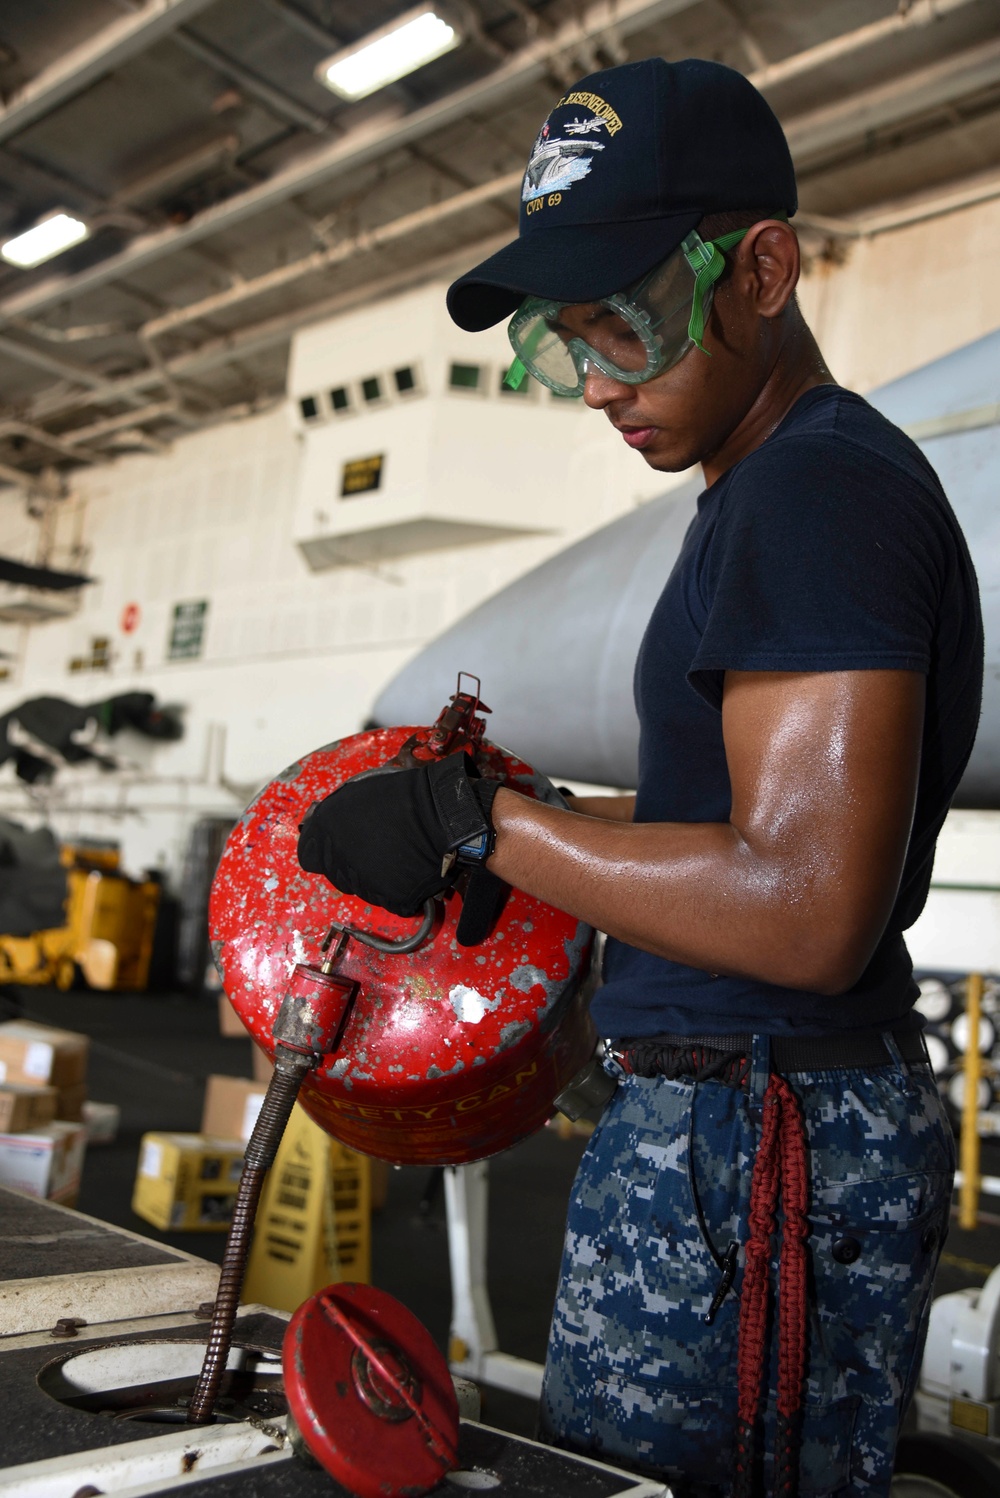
[633, 1372]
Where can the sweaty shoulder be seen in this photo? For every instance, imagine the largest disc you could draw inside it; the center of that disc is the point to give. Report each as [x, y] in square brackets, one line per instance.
[831, 546]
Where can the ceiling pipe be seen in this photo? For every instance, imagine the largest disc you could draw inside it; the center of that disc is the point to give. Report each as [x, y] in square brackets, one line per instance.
[11, 427]
[274, 99]
[275, 330]
[916, 92]
[306, 25]
[979, 189]
[178, 172]
[100, 54]
[10, 475]
[359, 146]
[921, 13]
[132, 438]
[77, 374]
[320, 260]
[82, 334]
[124, 420]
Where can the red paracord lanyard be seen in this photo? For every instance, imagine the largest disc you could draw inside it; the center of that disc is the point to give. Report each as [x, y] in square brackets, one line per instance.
[780, 1164]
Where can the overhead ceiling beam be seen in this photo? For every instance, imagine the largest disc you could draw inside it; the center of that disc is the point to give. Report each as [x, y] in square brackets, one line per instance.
[41, 438]
[917, 92]
[306, 25]
[274, 330]
[77, 374]
[359, 146]
[174, 174]
[320, 260]
[100, 54]
[274, 99]
[110, 424]
[982, 187]
[10, 475]
[920, 13]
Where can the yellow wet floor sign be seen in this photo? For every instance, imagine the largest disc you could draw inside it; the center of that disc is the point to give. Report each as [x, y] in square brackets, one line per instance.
[314, 1220]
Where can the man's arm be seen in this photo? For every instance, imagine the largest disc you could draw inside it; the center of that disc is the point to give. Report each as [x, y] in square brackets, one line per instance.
[797, 887]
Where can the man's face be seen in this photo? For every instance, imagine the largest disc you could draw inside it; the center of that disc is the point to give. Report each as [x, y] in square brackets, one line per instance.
[687, 414]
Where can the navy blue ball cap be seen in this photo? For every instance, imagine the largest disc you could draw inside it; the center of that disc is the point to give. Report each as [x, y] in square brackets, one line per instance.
[627, 163]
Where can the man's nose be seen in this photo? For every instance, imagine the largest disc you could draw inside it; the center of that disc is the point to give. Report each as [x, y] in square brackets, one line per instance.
[600, 389]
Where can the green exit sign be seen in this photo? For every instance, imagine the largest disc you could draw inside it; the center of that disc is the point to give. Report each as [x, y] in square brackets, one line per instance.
[187, 630]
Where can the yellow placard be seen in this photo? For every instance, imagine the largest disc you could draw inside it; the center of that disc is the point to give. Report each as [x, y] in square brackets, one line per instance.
[966, 1414]
[314, 1221]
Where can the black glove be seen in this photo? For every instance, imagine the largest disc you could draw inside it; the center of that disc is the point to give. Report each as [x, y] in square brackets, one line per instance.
[388, 835]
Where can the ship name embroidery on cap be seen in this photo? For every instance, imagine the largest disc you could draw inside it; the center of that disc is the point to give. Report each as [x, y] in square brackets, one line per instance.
[556, 163]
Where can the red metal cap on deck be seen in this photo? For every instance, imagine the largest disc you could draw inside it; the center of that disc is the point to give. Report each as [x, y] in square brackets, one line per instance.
[370, 1393]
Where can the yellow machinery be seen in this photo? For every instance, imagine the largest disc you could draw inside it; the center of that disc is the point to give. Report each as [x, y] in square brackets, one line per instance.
[110, 921]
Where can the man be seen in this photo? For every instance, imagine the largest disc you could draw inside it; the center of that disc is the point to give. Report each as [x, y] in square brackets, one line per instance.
[808, 692]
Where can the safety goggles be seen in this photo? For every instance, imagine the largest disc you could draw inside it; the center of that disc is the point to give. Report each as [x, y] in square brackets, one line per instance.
[631, 336]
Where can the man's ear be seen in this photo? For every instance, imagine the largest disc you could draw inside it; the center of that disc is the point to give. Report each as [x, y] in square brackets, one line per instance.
[769, 259]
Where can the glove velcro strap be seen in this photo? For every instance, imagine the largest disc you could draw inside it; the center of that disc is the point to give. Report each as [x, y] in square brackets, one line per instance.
[455, 801]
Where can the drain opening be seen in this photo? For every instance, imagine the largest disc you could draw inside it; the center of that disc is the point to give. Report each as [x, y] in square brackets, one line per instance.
[113, 1379]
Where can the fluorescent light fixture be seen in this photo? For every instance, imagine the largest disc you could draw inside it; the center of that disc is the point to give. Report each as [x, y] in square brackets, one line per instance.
[50, 236]
[416, 38]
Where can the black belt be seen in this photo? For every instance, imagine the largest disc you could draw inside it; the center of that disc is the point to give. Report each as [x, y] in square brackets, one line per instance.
[850, 1049]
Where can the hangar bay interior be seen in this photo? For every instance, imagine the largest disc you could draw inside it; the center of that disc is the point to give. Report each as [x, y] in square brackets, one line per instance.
[259, 494]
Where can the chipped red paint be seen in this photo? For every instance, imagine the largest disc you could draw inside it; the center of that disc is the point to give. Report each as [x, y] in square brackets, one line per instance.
[448, 1053]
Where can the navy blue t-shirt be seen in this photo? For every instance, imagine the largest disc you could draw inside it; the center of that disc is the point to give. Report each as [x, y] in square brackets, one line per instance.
[831, 547]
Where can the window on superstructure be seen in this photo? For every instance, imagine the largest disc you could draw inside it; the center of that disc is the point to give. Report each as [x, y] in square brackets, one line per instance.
[465, 377]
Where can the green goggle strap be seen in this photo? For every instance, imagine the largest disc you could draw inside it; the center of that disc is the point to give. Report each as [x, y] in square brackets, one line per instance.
[708, 261]
[515, 376]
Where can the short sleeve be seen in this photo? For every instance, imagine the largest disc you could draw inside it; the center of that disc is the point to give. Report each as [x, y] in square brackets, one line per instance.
[825, 557]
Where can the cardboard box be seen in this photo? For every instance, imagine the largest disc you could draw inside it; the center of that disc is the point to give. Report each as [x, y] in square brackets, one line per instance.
[25, 1108]
[45, 1162]
[42, 1057]
[101, 1121]
[70, 1101]
[229, 1021]
[187, 1181]
[231, 1107]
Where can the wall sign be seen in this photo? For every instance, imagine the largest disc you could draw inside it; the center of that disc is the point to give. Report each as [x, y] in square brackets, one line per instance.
[131, 614]
[187, 630]
[360, 475]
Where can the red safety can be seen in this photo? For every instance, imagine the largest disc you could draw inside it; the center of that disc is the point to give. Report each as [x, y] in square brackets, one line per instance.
[447, 1053]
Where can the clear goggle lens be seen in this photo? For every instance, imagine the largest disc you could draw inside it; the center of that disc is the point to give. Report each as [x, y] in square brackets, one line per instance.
[631, 336]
